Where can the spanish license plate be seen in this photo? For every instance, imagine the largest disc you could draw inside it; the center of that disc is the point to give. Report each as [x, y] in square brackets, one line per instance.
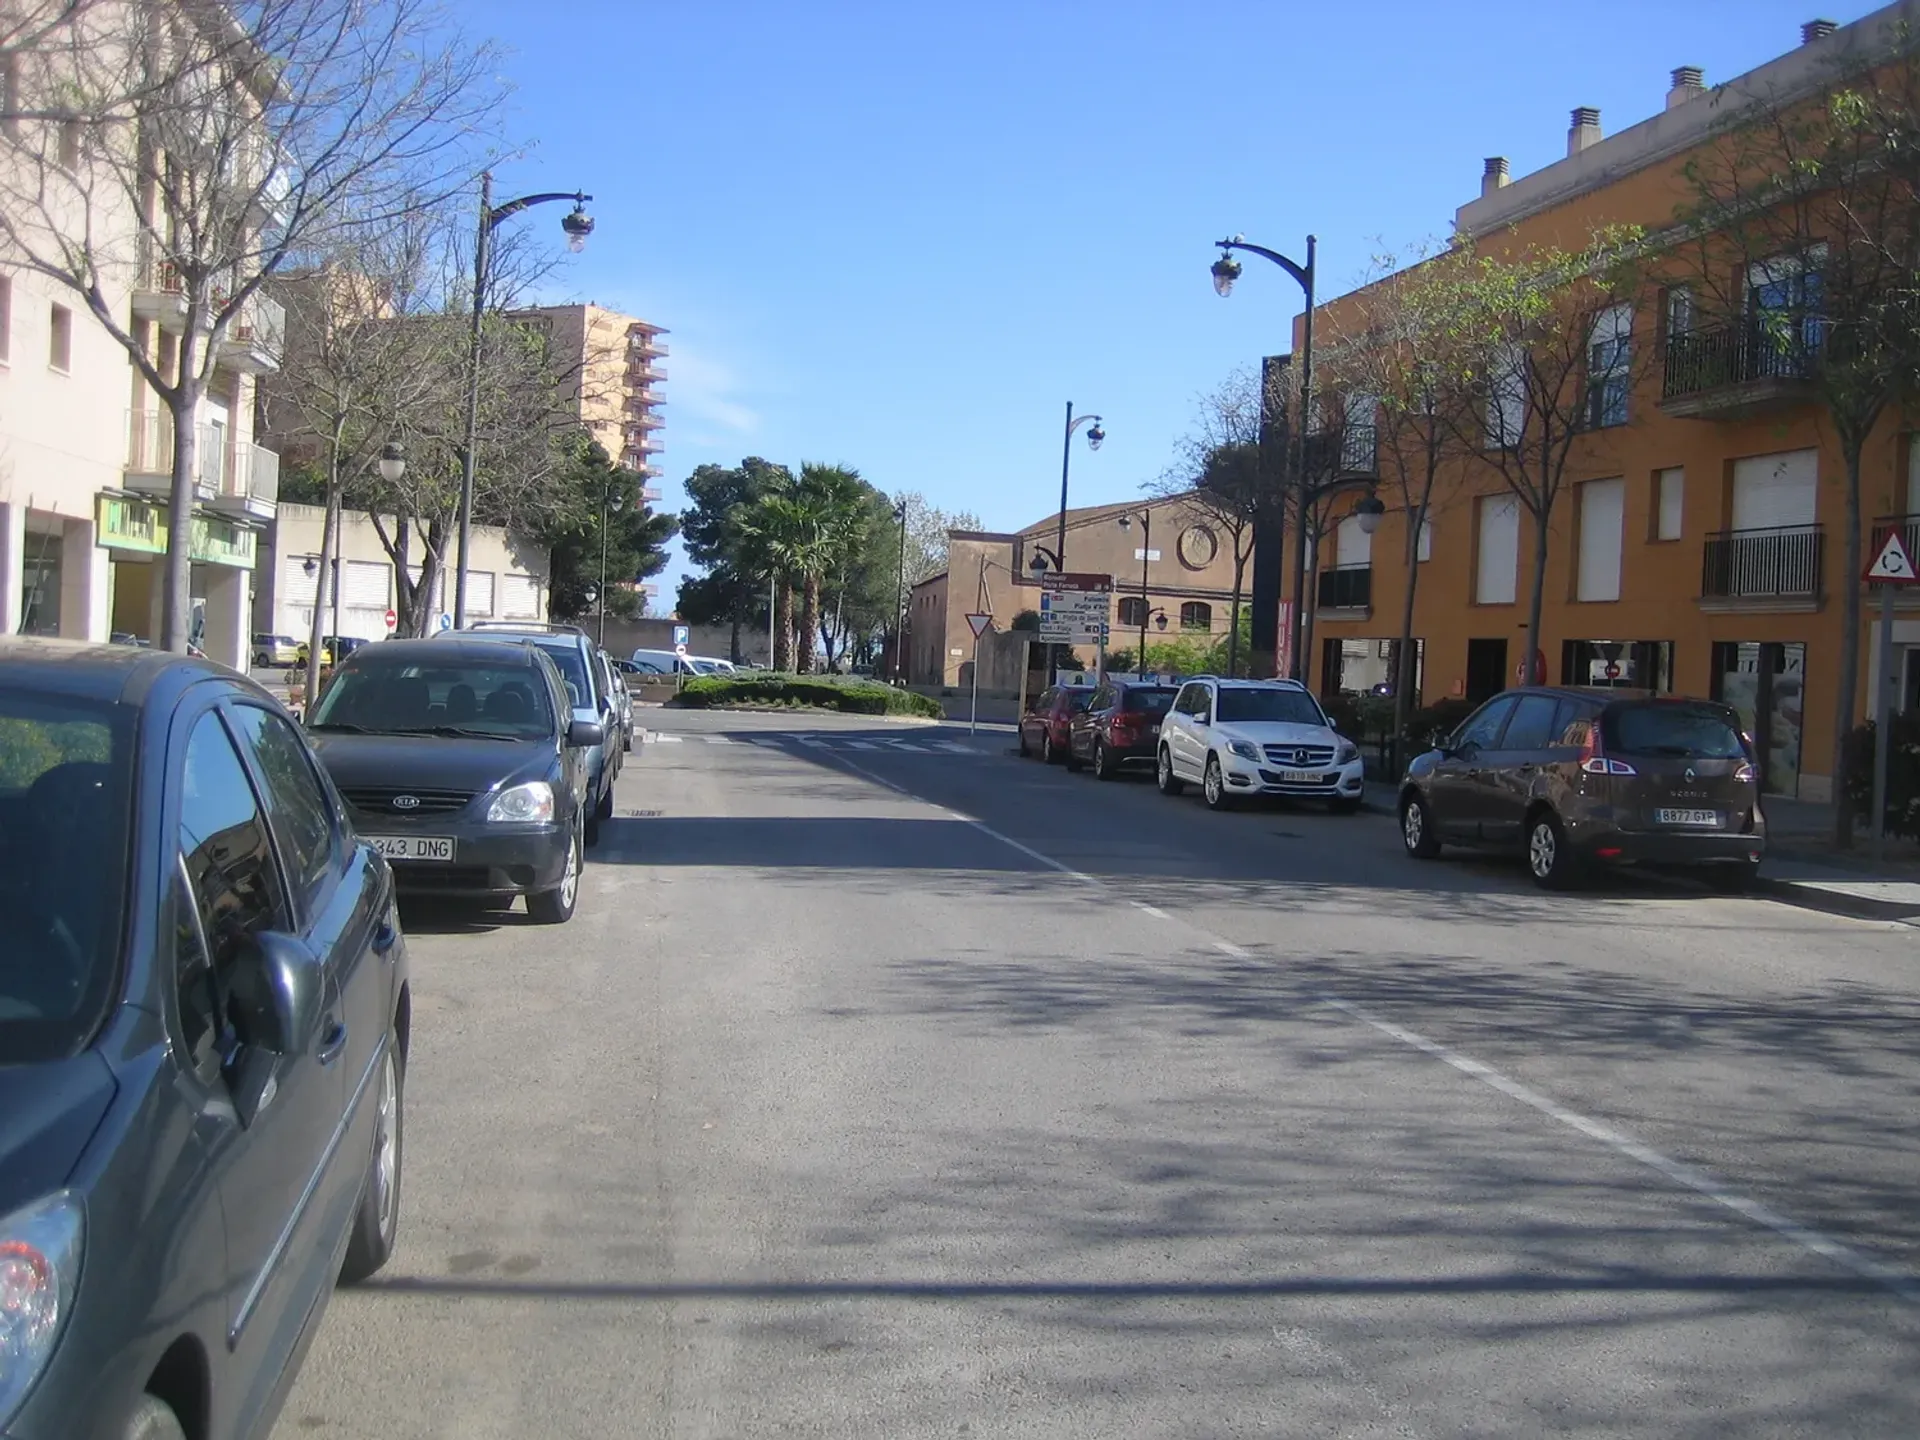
[1156, 729]
[412, 847]
[1302, 777]
[1687, 817]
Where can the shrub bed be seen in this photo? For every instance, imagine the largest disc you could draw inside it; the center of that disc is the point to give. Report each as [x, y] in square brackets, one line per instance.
[820, 692]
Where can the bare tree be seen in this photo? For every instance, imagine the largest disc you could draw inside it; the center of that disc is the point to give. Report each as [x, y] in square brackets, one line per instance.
[1543, 337]
[1217, 473]
[1804, 267]
[193, 150]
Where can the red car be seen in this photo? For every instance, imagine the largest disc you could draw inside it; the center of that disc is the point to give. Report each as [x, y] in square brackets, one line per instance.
[1049, 720]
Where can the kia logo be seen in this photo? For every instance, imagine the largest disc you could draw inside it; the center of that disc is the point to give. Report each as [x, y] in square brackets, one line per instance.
[406, 802]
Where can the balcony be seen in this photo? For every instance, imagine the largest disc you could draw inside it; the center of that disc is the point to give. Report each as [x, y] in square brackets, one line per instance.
[641, 374]
[1348, 454]
[645, 350]
[256, 337]
[246, 480]
[1346, 587]
[1730, 371]
[235, 478]
[159, 296]
[1763, 569]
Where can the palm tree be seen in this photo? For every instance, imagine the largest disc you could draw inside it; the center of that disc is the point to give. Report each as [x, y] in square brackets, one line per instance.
[834, 499]
[779, 530]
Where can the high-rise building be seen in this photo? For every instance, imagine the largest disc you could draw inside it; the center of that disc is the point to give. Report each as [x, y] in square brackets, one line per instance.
[612, 363]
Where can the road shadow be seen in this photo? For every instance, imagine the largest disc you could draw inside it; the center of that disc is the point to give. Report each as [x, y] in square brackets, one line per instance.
[427, 914]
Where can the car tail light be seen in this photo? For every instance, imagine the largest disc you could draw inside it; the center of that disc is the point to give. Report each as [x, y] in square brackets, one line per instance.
[1745, 774]
[1593, 757]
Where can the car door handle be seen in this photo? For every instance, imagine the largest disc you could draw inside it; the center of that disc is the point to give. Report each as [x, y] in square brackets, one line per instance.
[333, 1040]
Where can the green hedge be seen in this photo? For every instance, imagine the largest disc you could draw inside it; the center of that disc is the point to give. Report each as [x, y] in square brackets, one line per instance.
[1903, 774]
[824, 692]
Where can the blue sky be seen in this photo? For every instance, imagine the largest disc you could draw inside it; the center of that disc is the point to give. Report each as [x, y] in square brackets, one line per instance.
[904, 234]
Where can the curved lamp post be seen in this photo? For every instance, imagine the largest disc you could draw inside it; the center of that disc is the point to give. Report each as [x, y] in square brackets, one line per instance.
[578, 225]
[1095, 434]
[1146, 554]
[1226, 270]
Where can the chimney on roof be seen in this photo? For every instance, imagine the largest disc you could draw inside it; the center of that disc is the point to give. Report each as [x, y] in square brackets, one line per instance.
[1585, 129]
[1689, 83]
[1495, 175]
[1816, 30]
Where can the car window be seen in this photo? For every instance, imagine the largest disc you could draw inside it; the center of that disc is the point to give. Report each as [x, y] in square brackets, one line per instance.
[572, 665]
[1531, 727]
[1146, 702]
[1077, 699]
[389, 696]
[65, 782]
[1277, 705]
[1483, 727]
[1101, 698]
[1191, 700]
[302, 811]
[1683, 730]
[1043, 699]
[1570, 724]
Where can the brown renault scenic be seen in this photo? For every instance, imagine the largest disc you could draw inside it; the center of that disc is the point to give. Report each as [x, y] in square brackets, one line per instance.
[1575, 778]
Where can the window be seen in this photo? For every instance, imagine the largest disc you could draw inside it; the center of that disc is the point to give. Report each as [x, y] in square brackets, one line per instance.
[234, 887]
[1602, 514]
[6, 318]
[60, 340]
[1775, 492]
[1507, 400]
[1483, 727]
[1679, 309]
[1669, 494]
[70, 138]
[1497, 566]
[1609, 361]
[1196, 615]
[9, 94]
[1532, 726]
[1423, 543]
[1193, 701]
[1133, 611]
[1784, 301]
[303, 813]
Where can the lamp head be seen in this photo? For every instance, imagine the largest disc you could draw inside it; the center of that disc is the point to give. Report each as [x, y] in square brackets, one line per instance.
[1095, 434]
[1160, 621]
[1370, 510]
[578, 225]
[393, 461]
[1037, 564]
[1226, 270]
[310, 566]
[1126, 522]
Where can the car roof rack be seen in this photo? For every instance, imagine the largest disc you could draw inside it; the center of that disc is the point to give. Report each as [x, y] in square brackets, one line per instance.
[544, 627]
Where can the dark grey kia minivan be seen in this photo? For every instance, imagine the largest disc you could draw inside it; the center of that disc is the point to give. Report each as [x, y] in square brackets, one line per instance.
[1575, 778]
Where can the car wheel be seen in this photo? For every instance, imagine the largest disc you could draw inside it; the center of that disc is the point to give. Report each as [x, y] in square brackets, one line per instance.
[1417, 830]
[1213, 786]
[1733, 879]
[377, 1221]
[1047, 753]
[1102, 761]
[1025, 749]
[555, 906]
[152, 1419]
[1549, 856]
[1163, 775]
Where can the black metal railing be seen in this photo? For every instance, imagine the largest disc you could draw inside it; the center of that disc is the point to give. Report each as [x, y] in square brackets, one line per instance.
[1350, 451]
[1346, 587]
[1781, 563]
[1724, 355]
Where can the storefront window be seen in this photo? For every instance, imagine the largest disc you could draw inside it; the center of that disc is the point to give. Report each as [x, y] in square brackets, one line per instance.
[40, 585]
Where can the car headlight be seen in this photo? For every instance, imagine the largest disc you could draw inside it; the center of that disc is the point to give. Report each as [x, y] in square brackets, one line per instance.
[39, 1266]
[1346, 753]
[1245, 749]
[528, 804]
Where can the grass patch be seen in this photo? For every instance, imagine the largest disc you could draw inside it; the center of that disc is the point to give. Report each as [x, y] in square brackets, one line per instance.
[819, 692]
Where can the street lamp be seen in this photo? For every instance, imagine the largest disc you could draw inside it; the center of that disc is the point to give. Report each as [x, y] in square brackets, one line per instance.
[1146, 554]
[1369, 511]
[1226, 270]
[900, 598]
[393, 462]
[578, 225]
[1095, 434]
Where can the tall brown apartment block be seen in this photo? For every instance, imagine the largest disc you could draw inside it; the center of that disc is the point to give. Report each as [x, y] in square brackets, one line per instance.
[612, 362]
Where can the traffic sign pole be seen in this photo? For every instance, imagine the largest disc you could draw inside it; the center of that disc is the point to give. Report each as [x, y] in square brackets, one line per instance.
[1892, 568]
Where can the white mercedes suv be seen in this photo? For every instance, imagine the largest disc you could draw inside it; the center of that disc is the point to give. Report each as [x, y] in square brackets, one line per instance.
[1256, 737]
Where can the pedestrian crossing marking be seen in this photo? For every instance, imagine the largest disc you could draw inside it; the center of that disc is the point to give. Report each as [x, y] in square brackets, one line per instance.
[787, 740]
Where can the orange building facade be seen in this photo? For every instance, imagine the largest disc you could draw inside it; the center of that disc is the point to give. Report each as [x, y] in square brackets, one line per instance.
[1698, 545]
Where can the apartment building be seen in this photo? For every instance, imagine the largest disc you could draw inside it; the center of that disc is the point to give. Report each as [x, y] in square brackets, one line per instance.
[86, 448]
[1171, 564]
[1698, 545]
[611, 364]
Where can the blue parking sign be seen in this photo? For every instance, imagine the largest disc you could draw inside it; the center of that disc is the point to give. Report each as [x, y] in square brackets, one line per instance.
[682, 635]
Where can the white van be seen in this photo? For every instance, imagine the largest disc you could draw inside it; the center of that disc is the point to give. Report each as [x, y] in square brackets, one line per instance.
[663, 662]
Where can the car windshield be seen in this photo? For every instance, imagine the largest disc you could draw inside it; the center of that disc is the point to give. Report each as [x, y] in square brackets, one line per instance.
[65, 775]
[1277, 706]
[1146, 702]
[397, 698]
[1677, 729]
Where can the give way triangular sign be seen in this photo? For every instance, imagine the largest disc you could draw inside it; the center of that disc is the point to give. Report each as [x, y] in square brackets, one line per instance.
[1893, 565]
[981, 622]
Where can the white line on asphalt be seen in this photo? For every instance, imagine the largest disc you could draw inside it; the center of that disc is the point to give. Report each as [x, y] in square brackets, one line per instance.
[1895, 1281]
[861, 745]
[1227, 947]
[1153, 910]
[1678, 1172]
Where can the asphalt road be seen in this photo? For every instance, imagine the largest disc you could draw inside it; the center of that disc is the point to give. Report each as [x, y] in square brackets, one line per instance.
[888, 1086]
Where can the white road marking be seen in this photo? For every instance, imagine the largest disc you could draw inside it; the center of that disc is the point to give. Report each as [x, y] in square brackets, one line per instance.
[1227, 947]
[860, 745]
[1153, 910]
[1895, 1281]
[1680, 1173]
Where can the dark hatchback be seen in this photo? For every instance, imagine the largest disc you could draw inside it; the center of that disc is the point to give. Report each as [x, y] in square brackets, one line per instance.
[1049, 720]
[204, 1022]
[1575, 778]
[1119, 728]
[461, 762]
